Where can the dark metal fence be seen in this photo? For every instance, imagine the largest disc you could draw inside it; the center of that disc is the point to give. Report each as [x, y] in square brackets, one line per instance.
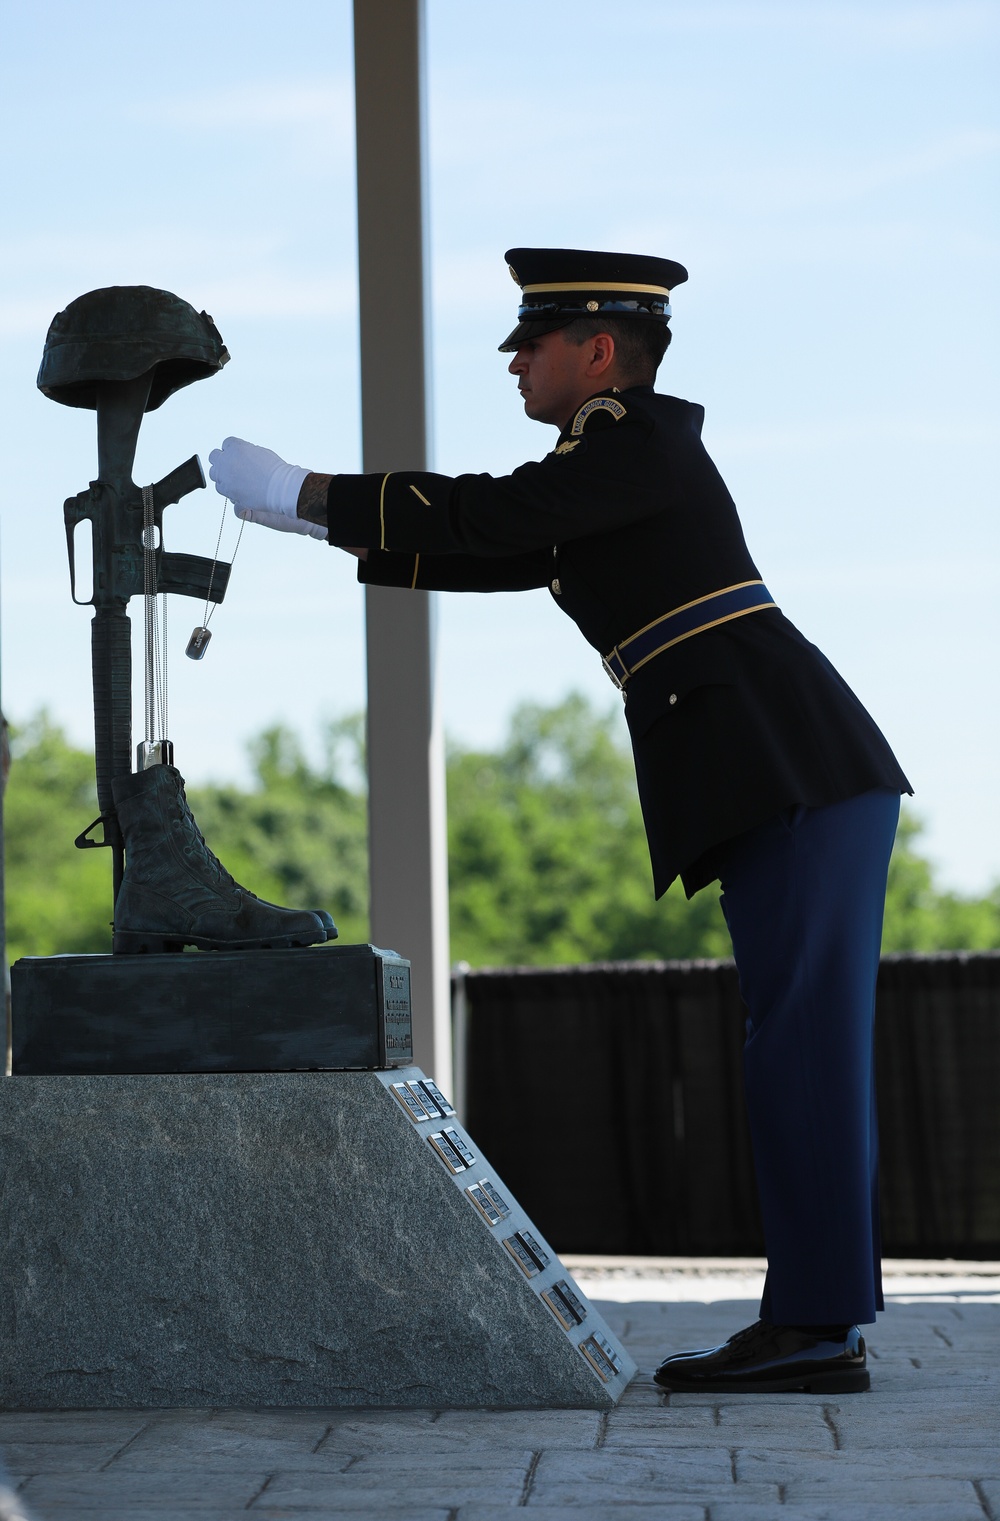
[609, 1098]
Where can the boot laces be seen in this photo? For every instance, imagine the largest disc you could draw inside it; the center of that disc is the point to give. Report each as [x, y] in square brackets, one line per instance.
[227, 879]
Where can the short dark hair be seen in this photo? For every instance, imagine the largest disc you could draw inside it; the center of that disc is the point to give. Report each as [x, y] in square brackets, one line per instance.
[639, 345]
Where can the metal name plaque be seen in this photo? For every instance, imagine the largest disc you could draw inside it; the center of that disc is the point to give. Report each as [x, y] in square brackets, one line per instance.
[452, 1150]
[529, 1254]
[434, 1093]
[405, 1094]
[565, 1306]
[490, 1203]
[397, 1020]
[602, 1356]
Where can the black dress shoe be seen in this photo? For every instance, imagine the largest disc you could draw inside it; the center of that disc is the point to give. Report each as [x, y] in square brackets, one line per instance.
[766, 1359]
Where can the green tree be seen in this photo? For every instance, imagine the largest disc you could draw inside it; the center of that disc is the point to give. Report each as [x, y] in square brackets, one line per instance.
[58, 898]
[548, 860]
[921, 917]
[300, 836]
[547, 856]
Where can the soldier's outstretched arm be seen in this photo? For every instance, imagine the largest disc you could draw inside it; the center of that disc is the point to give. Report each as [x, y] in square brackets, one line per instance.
[264, 489]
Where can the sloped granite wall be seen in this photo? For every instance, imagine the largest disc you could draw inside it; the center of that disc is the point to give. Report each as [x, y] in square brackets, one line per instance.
[268, 1239]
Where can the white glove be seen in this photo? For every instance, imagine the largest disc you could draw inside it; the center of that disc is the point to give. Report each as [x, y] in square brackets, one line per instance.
[254, 478]
[278, 520]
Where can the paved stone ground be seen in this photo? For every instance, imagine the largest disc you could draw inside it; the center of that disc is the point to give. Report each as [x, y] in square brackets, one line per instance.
[923, 1445]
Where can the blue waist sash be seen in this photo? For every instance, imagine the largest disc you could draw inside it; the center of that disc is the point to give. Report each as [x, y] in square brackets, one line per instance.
[684, 622]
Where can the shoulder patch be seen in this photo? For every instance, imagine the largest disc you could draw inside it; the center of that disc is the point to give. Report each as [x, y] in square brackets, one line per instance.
[602, 404]
[567, 446]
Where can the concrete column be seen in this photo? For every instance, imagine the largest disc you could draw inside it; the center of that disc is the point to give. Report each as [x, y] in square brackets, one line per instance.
[407, 839]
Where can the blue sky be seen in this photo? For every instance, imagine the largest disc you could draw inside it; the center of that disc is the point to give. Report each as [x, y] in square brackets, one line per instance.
[827, 172]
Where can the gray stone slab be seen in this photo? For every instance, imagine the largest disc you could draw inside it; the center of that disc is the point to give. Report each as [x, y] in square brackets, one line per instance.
[607, 1510]
[646, 1425]
[57, 1457]
[962, 1425]
[841, 1509]
[461, 1431]
[264, 1239]
[564, 1478]
[935, 1463]
[68, 1426]
[921, 1477]
[297, 1491]
[93, 1509]
[185, 1492]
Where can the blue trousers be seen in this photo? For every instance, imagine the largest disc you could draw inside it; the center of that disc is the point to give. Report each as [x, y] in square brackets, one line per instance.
[804, 897]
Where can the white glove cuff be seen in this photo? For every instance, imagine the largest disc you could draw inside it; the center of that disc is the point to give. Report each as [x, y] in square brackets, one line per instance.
[283, 487]
[282, 521]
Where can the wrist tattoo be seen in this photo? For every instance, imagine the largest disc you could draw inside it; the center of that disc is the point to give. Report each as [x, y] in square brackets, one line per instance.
[312, 498]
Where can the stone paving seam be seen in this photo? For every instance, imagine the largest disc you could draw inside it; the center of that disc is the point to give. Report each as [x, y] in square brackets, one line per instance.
[128, 1444]
[529, 1478]
[987, 1494]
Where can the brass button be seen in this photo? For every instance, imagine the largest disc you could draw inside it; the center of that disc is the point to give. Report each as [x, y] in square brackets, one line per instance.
[556, 588]
[673, 698]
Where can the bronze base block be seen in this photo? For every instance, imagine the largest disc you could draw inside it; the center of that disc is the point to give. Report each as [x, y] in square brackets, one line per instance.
[331, 1009]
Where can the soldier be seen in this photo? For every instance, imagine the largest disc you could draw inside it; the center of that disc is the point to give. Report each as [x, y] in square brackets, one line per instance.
[756, 765]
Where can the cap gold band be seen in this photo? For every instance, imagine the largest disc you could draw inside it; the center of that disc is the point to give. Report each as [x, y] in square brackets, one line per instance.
[595, 285]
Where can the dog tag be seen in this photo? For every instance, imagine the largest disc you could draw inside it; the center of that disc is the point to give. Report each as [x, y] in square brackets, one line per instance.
[198, 643]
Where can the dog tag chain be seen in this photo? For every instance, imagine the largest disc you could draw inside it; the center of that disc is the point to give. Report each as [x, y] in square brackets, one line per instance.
[154, 750]
[198, 643]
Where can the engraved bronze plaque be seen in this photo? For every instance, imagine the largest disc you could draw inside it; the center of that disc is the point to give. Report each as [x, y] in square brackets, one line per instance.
[491, 1205]
[530, 1257]
[565, 1305]
[414, 1108]
[601, 1356]
[434, 1093]
[397, 1023]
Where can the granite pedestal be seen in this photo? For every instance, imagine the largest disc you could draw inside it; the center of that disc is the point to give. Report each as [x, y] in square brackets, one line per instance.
[256, 1239]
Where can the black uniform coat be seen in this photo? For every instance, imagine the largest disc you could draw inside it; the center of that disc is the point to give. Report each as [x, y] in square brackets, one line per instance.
[624, 521]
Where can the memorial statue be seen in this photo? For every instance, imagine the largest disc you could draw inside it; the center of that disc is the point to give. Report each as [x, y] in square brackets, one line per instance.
[121, 352]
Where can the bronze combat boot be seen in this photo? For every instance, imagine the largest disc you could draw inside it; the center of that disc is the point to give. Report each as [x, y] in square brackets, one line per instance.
[176, 893]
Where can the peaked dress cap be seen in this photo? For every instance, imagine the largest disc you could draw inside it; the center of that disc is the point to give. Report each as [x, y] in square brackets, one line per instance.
[558, 285]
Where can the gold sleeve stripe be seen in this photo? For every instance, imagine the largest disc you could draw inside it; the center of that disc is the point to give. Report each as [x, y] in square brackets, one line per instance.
[416, 562]
[421, 496]
[618, 285]
[381, 512]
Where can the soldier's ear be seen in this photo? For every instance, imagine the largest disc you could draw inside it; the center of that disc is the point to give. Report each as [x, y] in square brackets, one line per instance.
[602, 353]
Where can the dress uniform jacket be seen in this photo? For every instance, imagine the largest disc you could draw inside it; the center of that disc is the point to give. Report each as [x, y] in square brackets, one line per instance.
[625, 520]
